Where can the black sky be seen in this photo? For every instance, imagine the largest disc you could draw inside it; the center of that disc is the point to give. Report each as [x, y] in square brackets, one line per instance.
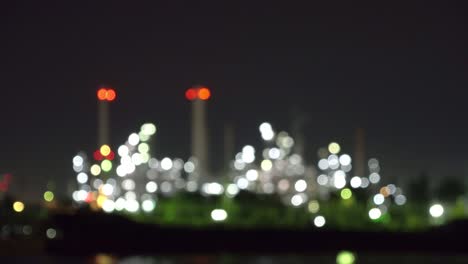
[399, 71]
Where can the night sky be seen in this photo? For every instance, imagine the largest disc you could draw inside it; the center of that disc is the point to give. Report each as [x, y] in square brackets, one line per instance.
[399, 71]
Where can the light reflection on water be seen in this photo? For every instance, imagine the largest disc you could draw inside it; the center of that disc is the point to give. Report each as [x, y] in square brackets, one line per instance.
[244, 259]
[274, 259]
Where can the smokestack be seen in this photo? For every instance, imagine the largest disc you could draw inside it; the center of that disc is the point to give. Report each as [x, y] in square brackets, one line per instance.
[103, 123]
[299, 120]
[198, 96]
[228, 144]
[105, 97]
[199, 136]
[360, 153]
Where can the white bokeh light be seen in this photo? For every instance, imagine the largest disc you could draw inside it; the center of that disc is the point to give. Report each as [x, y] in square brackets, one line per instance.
[151, 187]
[123, 151]
[78, 161]
[322, 179]
[436, 210]
[251, 175]
[108, 206]
[345, 160]
[132, 206]
[148, 205]
[323, 164]
[166, 164]
[107, 189]
[319, 221]
[374, 177]
[218, 215]
[379, 199]
[248, 154]
[339, 179]
[300, 185]
[400, 199]
[297, 200]
[375, 213]
[266, 165]
[274, 153]
[355, 182]
[242, 183]
[82, 177]
[133, 139]
[232, 190]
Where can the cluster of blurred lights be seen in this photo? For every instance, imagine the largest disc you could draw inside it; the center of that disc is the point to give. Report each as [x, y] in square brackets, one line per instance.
[282, 171]
[117, 193]
[335, 168]
[279, 170]
[382, 200]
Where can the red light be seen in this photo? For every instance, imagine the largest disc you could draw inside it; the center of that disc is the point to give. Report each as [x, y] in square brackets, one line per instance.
[111, 95]
[97, 155]
[191, 94]
[105, 94]
[7, 177]
[111, 155]
[89, 197]
[5, 182]
[204, 93]
[102, 94]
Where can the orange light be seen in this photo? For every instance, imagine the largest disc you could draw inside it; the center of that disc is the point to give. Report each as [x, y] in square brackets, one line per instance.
[204, 94]
[191, 94]
[385, 191]
[102, 94]
[110, 95]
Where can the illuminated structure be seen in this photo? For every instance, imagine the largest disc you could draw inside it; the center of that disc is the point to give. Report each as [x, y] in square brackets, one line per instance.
[198, 96]
[131, 180]
[280, 170]
[126, 183]
[360, 153]
[105, 96]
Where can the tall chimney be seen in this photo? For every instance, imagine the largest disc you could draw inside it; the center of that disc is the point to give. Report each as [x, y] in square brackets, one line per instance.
[360, 153]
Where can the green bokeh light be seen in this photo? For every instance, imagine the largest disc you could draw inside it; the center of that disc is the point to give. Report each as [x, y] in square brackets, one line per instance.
[346, 193]
[148, 129]
[143, 137]
[143, 148]
[106, 165]
[49, 196]
[345, 257]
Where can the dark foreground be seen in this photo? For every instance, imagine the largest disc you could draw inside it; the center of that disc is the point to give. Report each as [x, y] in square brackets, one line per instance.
[235, 259]
[90, 234]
